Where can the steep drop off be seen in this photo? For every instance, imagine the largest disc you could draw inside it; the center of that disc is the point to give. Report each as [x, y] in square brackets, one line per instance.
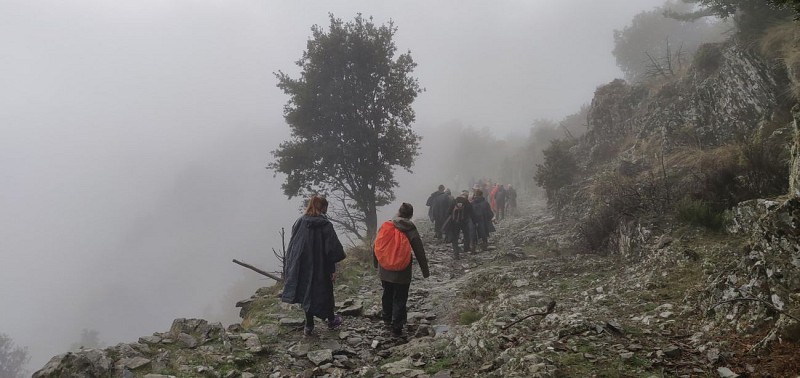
[638, 291]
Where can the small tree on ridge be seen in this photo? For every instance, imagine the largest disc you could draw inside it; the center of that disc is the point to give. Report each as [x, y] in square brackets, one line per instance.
[350, 115]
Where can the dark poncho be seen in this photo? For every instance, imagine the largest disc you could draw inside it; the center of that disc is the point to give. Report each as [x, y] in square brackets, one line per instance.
[313, 251]
[482, 215]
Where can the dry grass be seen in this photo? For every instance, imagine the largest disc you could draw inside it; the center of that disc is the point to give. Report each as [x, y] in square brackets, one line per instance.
[782, 42]
[693, 158]
[779, 39]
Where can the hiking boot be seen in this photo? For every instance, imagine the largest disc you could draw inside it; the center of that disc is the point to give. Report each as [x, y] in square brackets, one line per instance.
[397, 331]
[335, 322]
[308, 332]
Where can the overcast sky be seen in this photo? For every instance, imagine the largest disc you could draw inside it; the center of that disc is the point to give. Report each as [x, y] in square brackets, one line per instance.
[135, 136]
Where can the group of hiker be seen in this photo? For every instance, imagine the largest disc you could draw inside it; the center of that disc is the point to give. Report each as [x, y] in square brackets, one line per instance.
[470, 218]
[314, 249]
[309, 270]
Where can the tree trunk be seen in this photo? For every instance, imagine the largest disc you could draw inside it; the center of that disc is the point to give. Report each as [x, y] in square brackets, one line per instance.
[371, 220]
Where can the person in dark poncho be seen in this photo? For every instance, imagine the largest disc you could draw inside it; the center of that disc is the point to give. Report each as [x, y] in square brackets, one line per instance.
[310, 265]
[397, 283]
[438, 201]
[482, 216]
[458, 223]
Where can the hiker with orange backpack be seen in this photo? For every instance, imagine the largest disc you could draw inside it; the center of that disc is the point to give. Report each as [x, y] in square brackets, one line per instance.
[393, 246]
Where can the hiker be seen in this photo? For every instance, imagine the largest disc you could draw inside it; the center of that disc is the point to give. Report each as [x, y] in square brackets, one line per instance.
[492, 200]
[482, 216]
[443, 228]
[437, 211]
[500, 201]
[459, 221]
[441, 204]
[394, 272]
[429, 202]
[511, 202]
[310, 265]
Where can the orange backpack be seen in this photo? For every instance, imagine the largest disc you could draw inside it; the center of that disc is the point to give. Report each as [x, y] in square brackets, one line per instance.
[392, 248]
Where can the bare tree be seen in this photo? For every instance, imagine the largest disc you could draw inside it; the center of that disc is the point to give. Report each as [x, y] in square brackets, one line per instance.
[281, 256]
[341, 214]
[12, 358]
[665, 66]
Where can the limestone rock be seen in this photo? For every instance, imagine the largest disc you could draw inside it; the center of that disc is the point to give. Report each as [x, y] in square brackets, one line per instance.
[321, 356]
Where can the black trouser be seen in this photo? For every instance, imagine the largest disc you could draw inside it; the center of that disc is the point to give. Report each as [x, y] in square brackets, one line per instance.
[457, 229]
[437, 225]
[310, 319]
[394, 300]
[501, 210]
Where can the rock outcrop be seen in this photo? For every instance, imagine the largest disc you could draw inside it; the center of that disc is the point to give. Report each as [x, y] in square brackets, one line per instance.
[722, 99]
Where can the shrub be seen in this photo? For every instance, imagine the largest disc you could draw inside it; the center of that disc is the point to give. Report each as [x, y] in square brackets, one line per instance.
[765, 164]
[558, 169]
[469, 316]
[699, 213]
[619, 196]
[595, 231]
[362, 253]
[708, 58]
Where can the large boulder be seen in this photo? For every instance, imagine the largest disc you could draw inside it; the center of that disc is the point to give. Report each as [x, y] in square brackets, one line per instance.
[85, 363]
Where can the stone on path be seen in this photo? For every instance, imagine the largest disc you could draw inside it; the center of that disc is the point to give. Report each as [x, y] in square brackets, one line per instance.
[292, 321]
[319, 357]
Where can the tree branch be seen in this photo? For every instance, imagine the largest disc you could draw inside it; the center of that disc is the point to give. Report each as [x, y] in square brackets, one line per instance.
[550, 307]
[248, 266]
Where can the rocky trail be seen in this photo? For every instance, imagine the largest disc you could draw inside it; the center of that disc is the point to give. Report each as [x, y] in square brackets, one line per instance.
[611, 319]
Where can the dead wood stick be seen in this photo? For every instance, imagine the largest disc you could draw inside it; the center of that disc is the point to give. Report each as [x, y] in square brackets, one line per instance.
[550, 307]
[772, 306]
[248, 266]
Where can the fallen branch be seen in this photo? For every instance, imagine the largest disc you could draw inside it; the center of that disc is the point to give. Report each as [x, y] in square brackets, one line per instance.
[248, 266]
[772, 306]
[550, 307]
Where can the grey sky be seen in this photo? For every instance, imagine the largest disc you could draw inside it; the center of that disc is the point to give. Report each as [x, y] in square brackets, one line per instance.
[134, 136]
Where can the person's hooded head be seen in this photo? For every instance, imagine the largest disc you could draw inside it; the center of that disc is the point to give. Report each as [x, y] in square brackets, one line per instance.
[405, 211]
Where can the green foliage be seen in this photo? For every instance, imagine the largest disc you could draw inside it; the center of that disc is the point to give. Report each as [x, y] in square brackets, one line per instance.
[708, 58]
[440, 364]
[663, 38]
[625, 193]
[596, 230]
[558, 169]
[469, 316]
[350, 114]
[699, 213]
[755, 168]
[751, 16]
[765, 162]
[794, 5]
[480, 292]
[12, 358]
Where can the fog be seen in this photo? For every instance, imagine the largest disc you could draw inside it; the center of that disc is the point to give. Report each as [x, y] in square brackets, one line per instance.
[134, 137]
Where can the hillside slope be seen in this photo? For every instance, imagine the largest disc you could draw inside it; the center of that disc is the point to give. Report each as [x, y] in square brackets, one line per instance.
[612, 318]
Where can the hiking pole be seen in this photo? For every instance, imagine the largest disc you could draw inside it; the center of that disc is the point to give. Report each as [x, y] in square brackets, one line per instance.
[550, 307]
